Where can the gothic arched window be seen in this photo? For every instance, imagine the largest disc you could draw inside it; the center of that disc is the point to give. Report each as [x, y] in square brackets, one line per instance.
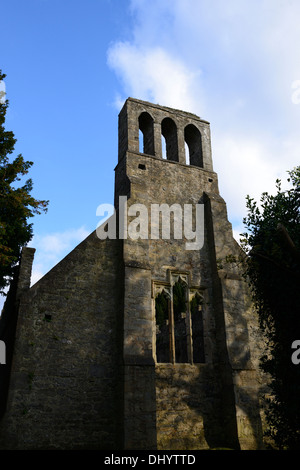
[192, 137]
[162, 320]
[169, 132]
[178, 321]
[146, 135]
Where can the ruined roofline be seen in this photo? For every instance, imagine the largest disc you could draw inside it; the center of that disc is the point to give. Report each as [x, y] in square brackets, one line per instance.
[170, 110]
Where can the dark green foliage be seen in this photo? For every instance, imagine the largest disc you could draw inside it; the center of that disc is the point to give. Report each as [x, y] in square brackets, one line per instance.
[179, 299]
[16, 203]
[179, 304]
[273, 268]
[194, 303]
[161, 309]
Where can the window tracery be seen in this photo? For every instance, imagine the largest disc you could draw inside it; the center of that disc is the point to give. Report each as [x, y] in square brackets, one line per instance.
[178, 313]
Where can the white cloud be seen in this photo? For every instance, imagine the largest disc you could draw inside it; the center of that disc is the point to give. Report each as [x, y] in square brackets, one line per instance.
[244, 167]
[154, 75]
[233, 63]
[2, 91]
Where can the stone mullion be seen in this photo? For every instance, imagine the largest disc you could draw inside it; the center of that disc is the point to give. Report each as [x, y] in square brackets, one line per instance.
[171, 330]
[189, 328]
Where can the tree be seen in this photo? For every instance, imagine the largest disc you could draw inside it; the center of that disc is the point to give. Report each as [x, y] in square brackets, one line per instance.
[272, 245]
[16, 203]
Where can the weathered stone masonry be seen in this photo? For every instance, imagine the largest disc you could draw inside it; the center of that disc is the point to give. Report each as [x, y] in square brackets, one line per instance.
[88, 369]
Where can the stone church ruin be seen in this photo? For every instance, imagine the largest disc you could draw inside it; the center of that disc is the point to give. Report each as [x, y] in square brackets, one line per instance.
[138, 343]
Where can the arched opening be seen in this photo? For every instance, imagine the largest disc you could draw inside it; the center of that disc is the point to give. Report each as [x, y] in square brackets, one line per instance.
[179, 322]
[180, 327]
[169, 132]
[192, 137]
[146, 134]
[162, 320]
[197, 328]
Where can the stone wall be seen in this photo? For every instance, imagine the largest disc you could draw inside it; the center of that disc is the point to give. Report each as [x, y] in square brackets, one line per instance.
[188, 407]
[65, 390]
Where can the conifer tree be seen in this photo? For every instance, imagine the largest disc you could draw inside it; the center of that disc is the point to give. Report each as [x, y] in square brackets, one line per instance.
[17, 205]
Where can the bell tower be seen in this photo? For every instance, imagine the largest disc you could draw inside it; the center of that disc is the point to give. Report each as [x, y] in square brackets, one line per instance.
[185, 322]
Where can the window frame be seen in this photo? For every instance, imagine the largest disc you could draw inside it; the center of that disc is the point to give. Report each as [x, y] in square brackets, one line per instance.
[193, 140]
[146, 133]
[166, 287]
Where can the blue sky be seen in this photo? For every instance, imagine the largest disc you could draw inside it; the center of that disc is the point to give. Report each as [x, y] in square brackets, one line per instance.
[71, 64]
